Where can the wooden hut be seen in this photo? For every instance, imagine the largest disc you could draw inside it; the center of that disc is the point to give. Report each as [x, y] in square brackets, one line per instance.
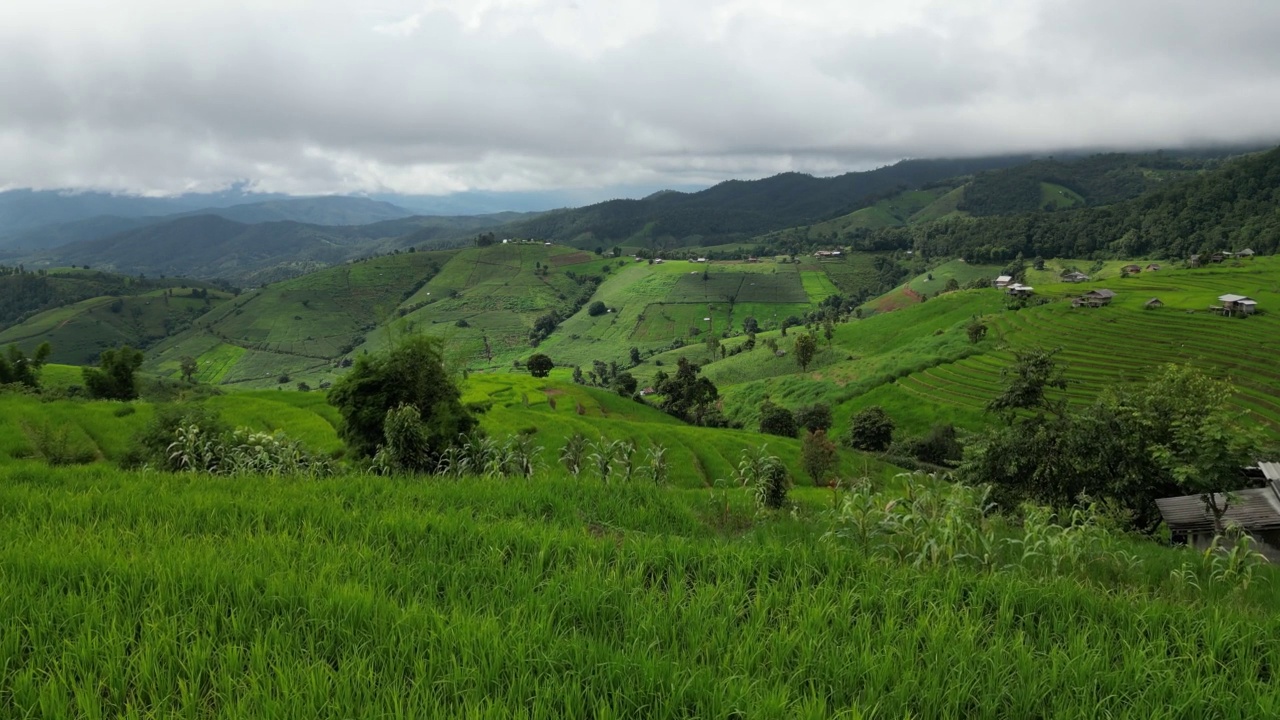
[1238, 304]
[1153, 303]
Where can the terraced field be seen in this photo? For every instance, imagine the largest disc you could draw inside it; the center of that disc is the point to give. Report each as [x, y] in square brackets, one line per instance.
[81, 331]
[1124, 343]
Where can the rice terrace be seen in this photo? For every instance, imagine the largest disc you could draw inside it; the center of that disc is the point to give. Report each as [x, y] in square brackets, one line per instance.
[968, 437]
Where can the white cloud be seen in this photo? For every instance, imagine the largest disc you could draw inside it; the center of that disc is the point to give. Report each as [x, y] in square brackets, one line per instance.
[443, 95]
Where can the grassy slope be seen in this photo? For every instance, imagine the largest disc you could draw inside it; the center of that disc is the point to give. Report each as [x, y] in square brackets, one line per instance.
[298, 327]
[1119, 343]
[190, 596]
[105, 431]
[80, 331]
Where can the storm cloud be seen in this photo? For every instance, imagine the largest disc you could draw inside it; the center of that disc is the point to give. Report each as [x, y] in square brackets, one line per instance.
[433, 97]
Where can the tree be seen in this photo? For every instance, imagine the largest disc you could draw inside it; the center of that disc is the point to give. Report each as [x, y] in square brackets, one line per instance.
[750, 326]
[539, 365]
[16, 367]
[688, 396]
[872, 430]
[625, 384]
[597, 309]
[976, 331]
[777, 420]
[951, 286]
[189, 367]
[635, 356]
[806, 347]
[818, 456]
[1207, 443]
[577, 375]
[1034, 373]
[411, 373]
[114, 379]
[789, 322]
[814, 417]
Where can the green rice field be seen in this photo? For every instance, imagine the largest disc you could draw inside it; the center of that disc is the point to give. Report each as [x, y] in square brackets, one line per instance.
[150, 595]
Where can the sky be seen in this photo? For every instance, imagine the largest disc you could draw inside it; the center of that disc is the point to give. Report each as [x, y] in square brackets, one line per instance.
[442, 96]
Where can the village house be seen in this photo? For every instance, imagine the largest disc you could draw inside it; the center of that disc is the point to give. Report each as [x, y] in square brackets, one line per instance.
[1131, 269]
[1075, 277]
[1245, 253]
[1153, 267]
[1255, 510]
[1019, 290]
[1237, 305]
[1193, 261]
[1003, 281]
[1094, 298]
[1217, 257]
[827, 254]
[1153, 303]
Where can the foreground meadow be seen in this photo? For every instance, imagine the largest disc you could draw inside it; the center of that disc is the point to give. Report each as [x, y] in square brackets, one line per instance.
[155, 595]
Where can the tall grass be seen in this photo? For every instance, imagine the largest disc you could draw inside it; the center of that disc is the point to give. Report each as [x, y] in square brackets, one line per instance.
[151, 595]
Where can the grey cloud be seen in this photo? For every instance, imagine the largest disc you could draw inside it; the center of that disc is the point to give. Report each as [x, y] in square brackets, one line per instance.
[319, 101]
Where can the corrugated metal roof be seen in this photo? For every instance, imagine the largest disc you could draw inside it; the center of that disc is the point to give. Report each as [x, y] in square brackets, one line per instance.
[1232, 298]
[1101, 293]
[1270, 470]
[1252, 509]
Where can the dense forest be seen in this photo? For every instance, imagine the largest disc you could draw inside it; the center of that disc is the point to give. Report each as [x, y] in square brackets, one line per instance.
[1234, 206]
[24, 293]
[740, 209]
[1098, 180]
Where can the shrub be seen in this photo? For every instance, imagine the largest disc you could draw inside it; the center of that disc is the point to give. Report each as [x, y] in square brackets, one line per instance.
[872, 430]
[539, 365]
[411, 373]
[152, 446]
[777, 420]
[818, 456]
[597, 309]
[814, 417]
[114, 379]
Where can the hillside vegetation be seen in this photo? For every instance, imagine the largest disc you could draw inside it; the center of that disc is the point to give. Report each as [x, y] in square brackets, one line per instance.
[253, 597]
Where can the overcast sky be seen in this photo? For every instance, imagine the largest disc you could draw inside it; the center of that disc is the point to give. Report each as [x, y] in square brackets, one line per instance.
[311, 96]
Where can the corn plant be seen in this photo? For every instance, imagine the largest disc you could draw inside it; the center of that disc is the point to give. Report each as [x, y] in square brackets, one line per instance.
[573, 455]
[1234, 563]
[625, 454]
[656, 464]
[192, 450]
[525, 456]
[603, 454]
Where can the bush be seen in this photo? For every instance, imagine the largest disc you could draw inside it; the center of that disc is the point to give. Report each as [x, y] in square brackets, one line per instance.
[596, 309]
[814, 417]
[114, 379]
[777, 420]
[412, 373]
[57, 445]
[539, 365]
[818, 456]
[872, 430]
[152, 446]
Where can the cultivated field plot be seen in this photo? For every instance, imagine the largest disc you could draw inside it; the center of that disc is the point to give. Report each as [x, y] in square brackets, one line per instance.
[663, 322]
[783, 287]
[1124, 343]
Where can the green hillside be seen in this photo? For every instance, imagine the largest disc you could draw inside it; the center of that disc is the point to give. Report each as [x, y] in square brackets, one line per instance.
[302, 326]
[80, 331]
[918, 363]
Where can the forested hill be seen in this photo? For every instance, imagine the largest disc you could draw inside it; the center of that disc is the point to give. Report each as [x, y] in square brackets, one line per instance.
[211, 246]
[738, 209]
[1231, 207]
[1050, 184]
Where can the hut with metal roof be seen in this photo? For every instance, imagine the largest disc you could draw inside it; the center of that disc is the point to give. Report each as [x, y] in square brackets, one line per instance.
[1238, 304]
[1255, 510]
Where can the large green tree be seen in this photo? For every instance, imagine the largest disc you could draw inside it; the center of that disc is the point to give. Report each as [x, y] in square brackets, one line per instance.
[16, 367]
[806, 347]
[114, 378]
[413, 374]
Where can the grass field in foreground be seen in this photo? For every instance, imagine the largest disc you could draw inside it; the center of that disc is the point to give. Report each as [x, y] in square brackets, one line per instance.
[144, 595]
